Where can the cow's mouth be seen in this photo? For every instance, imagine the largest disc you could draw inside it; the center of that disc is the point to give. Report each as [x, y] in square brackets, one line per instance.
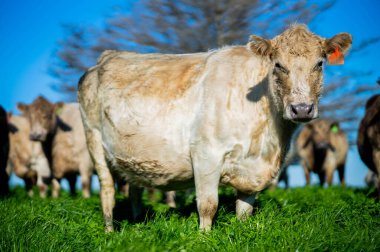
[301, 120]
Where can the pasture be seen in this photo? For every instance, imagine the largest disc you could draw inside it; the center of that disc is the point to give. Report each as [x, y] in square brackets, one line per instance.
[298, 219]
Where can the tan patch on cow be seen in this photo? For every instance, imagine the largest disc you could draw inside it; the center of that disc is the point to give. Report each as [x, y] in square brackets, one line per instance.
[161, 76]
[254, 148]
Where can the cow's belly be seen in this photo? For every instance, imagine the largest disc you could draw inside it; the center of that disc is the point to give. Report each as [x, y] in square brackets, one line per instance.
[153, 172]
[148, 159]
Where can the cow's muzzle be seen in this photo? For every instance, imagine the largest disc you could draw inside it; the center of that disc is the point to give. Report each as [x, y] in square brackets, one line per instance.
[37, 136]
[302, 112]
[324, 146]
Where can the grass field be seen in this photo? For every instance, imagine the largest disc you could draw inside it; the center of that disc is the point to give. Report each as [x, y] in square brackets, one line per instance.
[301, 219]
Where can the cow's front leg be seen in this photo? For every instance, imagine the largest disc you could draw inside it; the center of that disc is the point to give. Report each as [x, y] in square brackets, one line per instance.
[376, 160]
[244, 205]
[86, 183]
[107, 187]
[56, 183]
[206, 178]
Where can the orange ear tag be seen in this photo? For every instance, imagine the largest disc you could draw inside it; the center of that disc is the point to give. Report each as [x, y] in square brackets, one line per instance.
[335, 58]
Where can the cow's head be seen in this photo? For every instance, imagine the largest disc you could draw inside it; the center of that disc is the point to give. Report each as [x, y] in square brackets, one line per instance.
[42, 117]
[320, 132]
[297, 57]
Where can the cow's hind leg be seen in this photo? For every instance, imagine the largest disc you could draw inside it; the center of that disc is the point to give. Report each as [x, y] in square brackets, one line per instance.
[72, 178]
[322, 177]
[122, 187]
[30, 180]
[107, 187]
[244, 205]
[29, 186]
[170, 199]
[135, 194]
[376, 160]
[340, 169]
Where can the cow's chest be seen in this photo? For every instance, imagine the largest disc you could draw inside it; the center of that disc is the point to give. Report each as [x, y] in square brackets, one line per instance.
[252, 173]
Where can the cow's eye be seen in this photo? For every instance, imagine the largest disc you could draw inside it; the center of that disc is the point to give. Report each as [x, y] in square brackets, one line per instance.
[279, 68]
[318, 66]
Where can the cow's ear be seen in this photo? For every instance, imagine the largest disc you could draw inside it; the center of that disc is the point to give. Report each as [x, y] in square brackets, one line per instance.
[336, 47]
[260, 46]
[22, 107]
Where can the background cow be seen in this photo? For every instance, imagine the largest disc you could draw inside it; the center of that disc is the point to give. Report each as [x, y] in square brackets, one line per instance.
[225, 116]
[26, 158]
[322, 147]
[368, 141]
[4, 150]
[292, 157]
[60, 130]
[371, 179]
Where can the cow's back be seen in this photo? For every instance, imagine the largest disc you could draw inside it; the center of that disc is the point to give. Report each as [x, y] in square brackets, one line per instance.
[69, 146]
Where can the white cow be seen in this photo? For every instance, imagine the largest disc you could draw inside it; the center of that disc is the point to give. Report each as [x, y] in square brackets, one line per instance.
[224, 116]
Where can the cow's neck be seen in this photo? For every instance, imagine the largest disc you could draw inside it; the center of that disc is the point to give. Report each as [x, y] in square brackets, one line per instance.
[283, 129]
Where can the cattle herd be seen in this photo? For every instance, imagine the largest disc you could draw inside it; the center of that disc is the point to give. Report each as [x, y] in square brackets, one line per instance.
[223, 117]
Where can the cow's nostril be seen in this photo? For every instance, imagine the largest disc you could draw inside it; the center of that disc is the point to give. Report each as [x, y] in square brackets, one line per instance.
[294, 109]
[32, 137]
[311, 108]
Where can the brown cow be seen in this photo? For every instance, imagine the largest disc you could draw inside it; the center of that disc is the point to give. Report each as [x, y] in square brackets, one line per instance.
[224, 116]
[26, 158]
[59, 127]
[368, 141]
[322, 147]
[4, 151]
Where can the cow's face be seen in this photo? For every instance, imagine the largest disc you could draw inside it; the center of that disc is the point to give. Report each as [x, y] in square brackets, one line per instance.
[321, 132]
[42, 117]
[296, 60]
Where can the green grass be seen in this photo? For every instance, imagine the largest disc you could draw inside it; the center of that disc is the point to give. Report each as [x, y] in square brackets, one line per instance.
[301, 219]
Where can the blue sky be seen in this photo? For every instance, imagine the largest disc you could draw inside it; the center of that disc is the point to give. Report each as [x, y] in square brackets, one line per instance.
[30, 29]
